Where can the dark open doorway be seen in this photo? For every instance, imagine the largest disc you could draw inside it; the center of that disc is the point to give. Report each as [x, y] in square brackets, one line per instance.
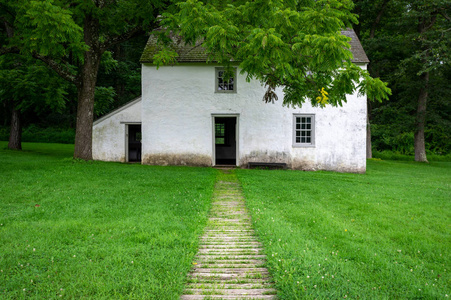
[225, 140]
[134, 143]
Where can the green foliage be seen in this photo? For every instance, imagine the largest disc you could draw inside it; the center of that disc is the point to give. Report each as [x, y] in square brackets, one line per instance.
[108, 63]
[30, 85]
[65, 222]
[71, 37]
[381, 235]
[38, 134]
[47, 28]
[295, 45]
[390, 155]
[165, 57]
[104, 100]
[409, 39]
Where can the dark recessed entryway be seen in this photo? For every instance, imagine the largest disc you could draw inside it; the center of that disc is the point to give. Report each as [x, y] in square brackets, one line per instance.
[134, 143]
[225, 140]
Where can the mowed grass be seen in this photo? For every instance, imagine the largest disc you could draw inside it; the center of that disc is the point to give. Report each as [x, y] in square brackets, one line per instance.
[385, 234]
[94, 230]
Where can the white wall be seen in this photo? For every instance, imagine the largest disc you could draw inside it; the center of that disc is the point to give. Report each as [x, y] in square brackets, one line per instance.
[178, 103]
[108, 136]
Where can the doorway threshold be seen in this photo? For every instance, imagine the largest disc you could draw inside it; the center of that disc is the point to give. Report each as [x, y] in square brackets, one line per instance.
[225, 166]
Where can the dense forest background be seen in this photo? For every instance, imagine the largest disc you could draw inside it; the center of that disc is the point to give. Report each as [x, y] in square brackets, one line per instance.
[406, 43]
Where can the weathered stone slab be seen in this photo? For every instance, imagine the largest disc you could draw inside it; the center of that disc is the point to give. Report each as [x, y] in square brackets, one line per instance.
[226, 297]
[242, 292]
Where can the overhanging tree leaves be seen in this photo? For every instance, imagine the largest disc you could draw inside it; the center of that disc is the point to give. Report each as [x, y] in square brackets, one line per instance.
[295, 45]
[71, 37]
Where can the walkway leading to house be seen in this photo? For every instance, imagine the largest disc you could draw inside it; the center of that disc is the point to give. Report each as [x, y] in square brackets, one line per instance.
[229, 264]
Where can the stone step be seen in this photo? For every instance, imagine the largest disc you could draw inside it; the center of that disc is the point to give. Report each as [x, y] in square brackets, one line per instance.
[242, 292]
[226, 240]
[264, 285]
[225, 297]
[211, 280]
[253, 242]
[228, 278]
[231, 261]
[234, 251]
[232, 234]
[236, 205]
[230, 270]
[220, 259]
[238, 244]
[227, 246]
[230, 222]
[230, 231]
[217, 265]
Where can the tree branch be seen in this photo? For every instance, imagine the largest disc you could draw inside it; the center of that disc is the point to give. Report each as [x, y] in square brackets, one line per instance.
[7, 50]
[6, 8]
[62, 71]
[378, 19]
[111, 41]
[444, 15]
[434, 18]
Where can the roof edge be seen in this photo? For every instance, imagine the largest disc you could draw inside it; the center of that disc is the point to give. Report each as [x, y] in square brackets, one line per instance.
[196, 53]
[117, 110]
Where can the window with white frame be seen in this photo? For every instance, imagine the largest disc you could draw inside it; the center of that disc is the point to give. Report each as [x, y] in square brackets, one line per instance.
[224, 83]
[304, 130]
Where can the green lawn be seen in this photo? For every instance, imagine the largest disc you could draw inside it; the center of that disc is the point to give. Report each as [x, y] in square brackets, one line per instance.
[382, 235]
[110, 231]
[96, 230]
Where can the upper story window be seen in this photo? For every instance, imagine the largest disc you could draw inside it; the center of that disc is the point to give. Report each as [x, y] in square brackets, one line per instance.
[224, 84]
[304, 130]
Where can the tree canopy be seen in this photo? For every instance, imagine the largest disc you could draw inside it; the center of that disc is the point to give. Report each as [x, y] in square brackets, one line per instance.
[295, 45]
[71, 37]
[408, 43]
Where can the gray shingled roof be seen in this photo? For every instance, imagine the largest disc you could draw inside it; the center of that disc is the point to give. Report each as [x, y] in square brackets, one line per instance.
[359, 55]
[188, 53]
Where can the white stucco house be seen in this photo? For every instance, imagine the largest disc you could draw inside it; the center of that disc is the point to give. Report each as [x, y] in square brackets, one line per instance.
[189, 115]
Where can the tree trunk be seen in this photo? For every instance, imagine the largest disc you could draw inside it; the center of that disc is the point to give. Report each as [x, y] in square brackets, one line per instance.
[86, 84]
[369, 152]
[15, 136]
[420, 148]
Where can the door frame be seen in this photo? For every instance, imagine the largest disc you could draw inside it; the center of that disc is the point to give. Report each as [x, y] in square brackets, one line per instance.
[237, 139]
[127, 159]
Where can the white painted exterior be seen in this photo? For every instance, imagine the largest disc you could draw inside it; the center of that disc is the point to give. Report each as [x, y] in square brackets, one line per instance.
[109, 133]
[177, 109]
[179, 101]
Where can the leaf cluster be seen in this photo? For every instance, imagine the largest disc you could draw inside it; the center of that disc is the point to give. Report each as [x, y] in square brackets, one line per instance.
[30, 85]
[295, 45]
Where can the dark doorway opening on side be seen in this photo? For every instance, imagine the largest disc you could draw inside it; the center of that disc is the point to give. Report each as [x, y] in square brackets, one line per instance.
[134, 143]
[225, 141]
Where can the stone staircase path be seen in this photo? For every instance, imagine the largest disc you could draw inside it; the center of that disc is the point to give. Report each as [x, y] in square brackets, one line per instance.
[230, 261]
